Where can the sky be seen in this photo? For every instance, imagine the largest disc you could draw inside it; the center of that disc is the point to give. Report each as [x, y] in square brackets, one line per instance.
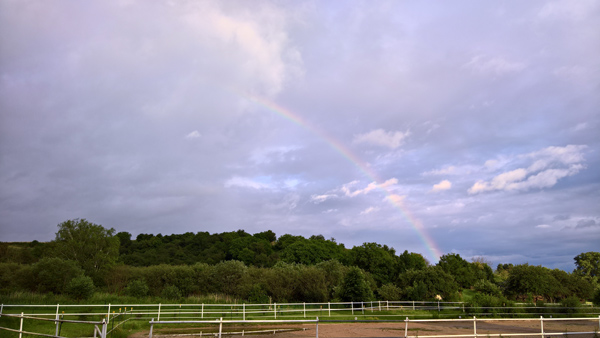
[463, 127]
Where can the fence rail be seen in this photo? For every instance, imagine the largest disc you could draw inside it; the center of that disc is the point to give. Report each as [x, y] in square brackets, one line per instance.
[390, 311]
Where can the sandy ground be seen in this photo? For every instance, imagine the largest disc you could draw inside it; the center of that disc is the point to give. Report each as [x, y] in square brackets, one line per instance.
[396, 329]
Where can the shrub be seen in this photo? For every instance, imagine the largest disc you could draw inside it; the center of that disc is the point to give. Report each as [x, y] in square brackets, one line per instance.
[171, 292]
[570, 305]
[137, 288]
[596, 299]
[389, 292]
[80, 288]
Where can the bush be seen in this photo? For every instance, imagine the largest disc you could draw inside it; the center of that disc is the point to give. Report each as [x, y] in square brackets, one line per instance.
[171, 292]
[570, 305]
[80, 288]
[389, 292]
[596, 299]
[137, 288]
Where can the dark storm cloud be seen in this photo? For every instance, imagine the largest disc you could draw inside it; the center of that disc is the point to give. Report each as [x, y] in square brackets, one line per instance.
[481, 117]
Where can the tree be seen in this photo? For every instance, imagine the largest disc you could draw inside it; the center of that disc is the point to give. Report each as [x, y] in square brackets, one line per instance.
[427, 283]
[459, 268]
[376, 259]
[588, 264]
[92, 246]
[81, 287]
[355, 287]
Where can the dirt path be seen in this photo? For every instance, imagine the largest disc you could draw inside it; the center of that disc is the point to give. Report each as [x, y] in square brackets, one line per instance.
[383, 329]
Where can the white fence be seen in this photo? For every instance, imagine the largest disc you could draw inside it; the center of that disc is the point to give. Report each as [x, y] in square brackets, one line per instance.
[100, 328]
[107, 317]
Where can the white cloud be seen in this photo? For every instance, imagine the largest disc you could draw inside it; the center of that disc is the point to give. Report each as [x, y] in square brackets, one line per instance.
[193, 135]
[245, 182]
[396, 199]
[321, 198]
[382, 138]
[549, 165]
[368, 210]
[543, 226]
[443, 185]
[493, 66]
[371, 186]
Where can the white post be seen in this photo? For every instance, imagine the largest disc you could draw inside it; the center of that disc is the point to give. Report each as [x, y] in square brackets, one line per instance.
[108, 314]
[353, 308]
[104, 329]
[304, 309]
[275, 309]
[202, 310]
[21, 326]
[317, 330]
[329, 308]
[57, 324]
[406, 328]
[151, 327]
[220, 326]
[159, 305]
[413, 305]
[244, 312]
[362, 307]
[1, 309]
[542, 325]
[57, 312]
[475, 326]
[380, 306]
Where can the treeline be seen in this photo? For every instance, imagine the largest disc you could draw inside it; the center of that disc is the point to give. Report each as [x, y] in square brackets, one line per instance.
[262, 267]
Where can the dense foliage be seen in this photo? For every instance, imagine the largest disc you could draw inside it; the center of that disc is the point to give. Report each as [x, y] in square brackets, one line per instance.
[263, 268]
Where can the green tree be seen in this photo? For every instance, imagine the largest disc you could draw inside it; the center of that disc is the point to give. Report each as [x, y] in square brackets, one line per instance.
[137, 288]
[376, 259]
[355, 287]
[459, 268]
[410, 261]
[54, 274]
[81, 288]
[427, 283]
[92, 246]
[588, 264]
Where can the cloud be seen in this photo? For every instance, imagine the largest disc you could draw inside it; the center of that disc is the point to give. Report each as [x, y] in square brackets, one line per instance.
[543, 226]
[245, 182]
[443, 185]
[371, 186]
[493, 66]
[321, 198]
[193, 135]
[542, 173]
[368, 211]
[396, 199]
[380, 137]
[586, 223]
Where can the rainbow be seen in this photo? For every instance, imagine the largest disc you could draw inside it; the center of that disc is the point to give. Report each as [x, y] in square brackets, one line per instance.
[394, 199]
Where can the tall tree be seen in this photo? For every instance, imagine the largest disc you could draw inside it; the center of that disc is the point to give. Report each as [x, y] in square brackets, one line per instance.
[92, 246]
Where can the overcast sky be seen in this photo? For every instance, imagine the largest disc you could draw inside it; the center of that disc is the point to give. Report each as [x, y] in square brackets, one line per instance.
[468, 127]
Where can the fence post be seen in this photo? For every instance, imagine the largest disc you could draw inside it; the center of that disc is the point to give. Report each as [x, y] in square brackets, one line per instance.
[104, 329]
[362, 307]
[304, 309]
[379, 306]
[220, 326]
[275, 309]
[151, 327]
[475, 326]
[202, 310]
[108, 313]
[1, 308]
[542, 325]
[317, 330]
[21, 326]
[57, 323]
[244, 311]
[406, 327]
[57, 306]
[413, 305]
[329, 308]
[159, 305]
[353, 308]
